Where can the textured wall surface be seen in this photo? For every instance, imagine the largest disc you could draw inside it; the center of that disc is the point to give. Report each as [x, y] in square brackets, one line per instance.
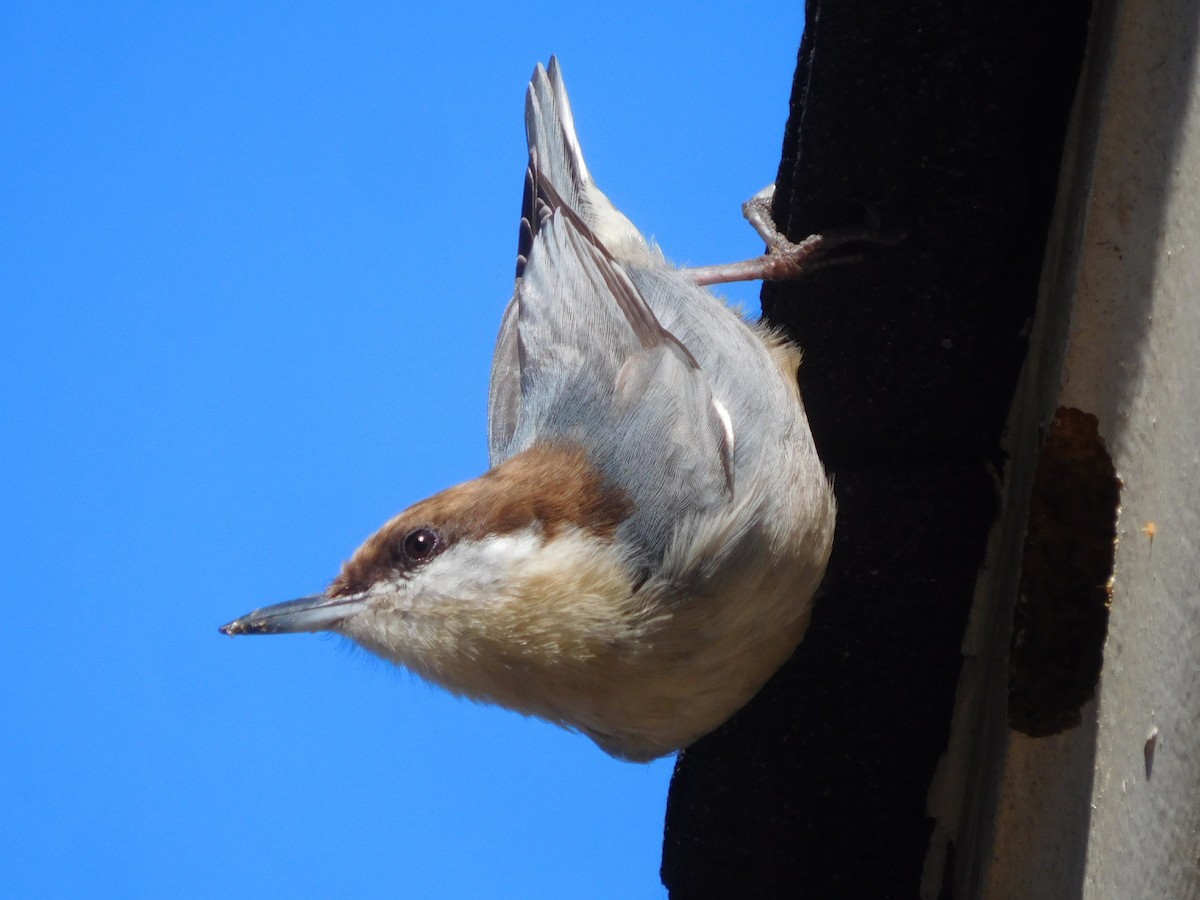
[947, 122]
[1111, 808]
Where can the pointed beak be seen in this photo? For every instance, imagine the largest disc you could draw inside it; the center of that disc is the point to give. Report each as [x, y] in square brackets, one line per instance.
[320, 612]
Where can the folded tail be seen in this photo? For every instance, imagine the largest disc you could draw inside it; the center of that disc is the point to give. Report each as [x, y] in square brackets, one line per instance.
[556, 160]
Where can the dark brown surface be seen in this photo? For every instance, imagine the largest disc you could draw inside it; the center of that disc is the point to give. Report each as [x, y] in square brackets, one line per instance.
[1061, 618]
[947, 120]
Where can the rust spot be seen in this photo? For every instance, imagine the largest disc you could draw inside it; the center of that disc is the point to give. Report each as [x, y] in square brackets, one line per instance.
[1061, 616]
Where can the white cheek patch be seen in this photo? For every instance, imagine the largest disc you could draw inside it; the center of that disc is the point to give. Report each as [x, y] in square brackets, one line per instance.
[418, 618]
[473, 571]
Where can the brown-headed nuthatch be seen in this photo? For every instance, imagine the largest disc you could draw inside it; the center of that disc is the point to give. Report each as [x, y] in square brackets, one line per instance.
[643, 553]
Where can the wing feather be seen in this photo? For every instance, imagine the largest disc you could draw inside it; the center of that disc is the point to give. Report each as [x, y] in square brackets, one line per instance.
[581, 354]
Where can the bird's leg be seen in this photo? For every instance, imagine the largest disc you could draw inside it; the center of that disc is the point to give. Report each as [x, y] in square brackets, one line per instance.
[784, 259]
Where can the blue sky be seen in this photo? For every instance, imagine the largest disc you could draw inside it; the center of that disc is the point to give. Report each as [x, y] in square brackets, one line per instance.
[252, 261]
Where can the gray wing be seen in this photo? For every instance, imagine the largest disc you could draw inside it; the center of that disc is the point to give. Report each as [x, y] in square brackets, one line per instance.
[555, 159]
[582, 357]
[596, 368]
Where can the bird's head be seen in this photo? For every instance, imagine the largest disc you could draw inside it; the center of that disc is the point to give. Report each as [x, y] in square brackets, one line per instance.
[490, 587]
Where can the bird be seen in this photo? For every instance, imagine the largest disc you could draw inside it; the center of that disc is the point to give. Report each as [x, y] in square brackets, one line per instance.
[644, 550]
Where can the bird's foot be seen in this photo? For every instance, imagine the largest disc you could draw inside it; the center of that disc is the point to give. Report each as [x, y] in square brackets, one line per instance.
[787, 259]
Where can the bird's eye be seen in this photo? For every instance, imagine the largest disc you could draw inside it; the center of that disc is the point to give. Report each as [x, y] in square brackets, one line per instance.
[421, 544]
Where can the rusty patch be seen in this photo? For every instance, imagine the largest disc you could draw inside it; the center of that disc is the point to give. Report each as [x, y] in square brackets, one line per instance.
[1061, 618]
